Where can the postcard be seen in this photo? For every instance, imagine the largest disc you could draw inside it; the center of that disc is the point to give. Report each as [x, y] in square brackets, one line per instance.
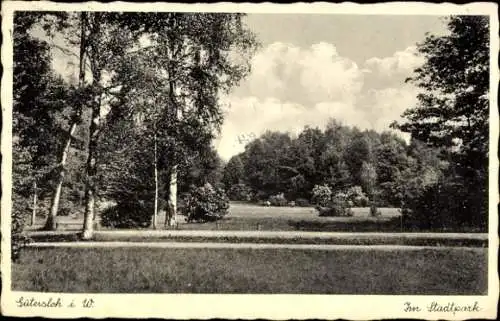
[246, 161]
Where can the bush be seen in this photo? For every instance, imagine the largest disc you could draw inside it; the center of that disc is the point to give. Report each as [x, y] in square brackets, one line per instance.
[278, 200]
[356, 195]
[128, 215]
[206, 203]
[302, 202]
[334, 210]
[259, 196]
[18, 239]
[336, 207]
[65, 211]
[321, 195]
[453, 203]
[240, 192]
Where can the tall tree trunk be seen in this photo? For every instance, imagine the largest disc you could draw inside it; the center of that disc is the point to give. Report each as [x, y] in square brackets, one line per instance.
[90, 186]
[172, 196]
[50, 224]
[51, 219]
[155, 213]
[33, 214]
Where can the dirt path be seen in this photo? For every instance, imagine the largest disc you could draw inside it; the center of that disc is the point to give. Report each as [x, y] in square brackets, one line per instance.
[210, 245]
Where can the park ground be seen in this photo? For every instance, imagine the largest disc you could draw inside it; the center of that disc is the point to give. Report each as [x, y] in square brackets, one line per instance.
[248, 217]
[259, 250]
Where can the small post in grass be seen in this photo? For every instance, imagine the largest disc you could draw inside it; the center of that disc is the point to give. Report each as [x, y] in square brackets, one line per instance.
[33, 214]
[401, 216]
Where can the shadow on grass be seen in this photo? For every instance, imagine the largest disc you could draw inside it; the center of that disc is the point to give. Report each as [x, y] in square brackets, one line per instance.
[374, 225]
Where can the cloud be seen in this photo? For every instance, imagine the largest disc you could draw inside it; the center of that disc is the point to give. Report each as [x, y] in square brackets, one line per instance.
[383, 106]
[291, 87]
[393, 69]
[307, 76]
[251, 116]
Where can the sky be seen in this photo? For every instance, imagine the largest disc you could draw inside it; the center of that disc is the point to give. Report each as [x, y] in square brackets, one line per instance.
[311, 68]
[314, 67]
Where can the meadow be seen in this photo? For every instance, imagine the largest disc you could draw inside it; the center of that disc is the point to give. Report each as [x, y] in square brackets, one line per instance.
[248, 217]
[447, 264]
[455, 271]
[253, 217]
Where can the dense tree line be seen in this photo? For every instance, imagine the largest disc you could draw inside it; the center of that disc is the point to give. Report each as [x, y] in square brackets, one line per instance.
[339, 156]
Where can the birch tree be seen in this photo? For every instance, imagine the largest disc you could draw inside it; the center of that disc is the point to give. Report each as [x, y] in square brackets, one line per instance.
[106, 43]
[74, 121]
[199, 56]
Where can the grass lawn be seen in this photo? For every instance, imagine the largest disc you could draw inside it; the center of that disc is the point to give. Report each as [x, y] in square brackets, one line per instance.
[141, 270]
[248, 217]
[252, 217]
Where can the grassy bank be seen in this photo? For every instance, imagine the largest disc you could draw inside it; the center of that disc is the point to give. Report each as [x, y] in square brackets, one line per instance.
[261, 237]
[119, 270]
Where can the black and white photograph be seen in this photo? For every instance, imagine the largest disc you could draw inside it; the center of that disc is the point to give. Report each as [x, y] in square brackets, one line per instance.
[253, 161]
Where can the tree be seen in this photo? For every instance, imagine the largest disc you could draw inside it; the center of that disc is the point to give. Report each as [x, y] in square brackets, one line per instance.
[332, 163]
[193, 53]
[39, 106]
[392, 160]
[69, 137]
[127, 176]
[233, 172]
[265, 169]
[188, 65]
[106, 43]
[359, 150]
[453, 108]
[206, 167]
[368, 178]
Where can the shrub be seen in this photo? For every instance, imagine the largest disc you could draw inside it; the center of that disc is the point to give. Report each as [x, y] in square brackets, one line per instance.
[259, 196]
[452, 203]
[321, 195]
[302, 202]
[182, 203]
[128, 215]
[240, 192]
[336, 207]
[341, 198]
[206, 203]
[334, 210]
[18, 239]
[278, 200]
[356, 195]
[65, 211]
